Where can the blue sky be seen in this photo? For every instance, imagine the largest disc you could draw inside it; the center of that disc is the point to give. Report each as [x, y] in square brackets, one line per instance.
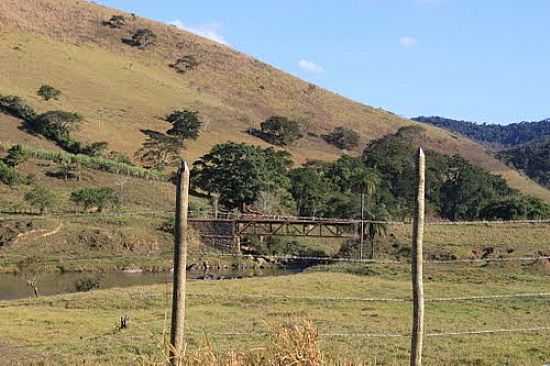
[481, 60]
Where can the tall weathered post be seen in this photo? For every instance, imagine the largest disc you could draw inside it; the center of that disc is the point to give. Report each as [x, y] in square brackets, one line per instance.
[180, 264]
[417, 283]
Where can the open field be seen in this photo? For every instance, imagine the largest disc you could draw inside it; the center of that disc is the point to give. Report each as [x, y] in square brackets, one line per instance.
[83, 326]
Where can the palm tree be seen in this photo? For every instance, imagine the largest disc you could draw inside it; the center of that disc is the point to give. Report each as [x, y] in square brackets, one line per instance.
[376, 226]
[364, 181]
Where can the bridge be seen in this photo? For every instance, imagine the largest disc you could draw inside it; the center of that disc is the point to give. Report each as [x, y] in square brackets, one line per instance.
[235, 226]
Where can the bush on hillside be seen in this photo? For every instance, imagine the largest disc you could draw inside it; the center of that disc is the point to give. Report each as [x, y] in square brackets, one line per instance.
[16, 107]
[98, 198]
[48, 92]
[96, 149]
[9, 176]
[343, 138]
[116, 22]
[185, 64]
[66, 169]
[141, 39]
[56, 125]
[16, 155]
[42, 198]
[279, 131]
[120, 158]
[185, 124]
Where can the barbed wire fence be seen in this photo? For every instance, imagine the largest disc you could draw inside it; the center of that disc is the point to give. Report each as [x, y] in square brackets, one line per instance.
[499, 298]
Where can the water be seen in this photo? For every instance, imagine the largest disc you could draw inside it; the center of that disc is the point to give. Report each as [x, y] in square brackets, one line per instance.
[14, 287]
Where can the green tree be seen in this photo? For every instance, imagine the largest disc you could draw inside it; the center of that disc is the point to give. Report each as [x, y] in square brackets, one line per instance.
[516, 208]
[42, 198]
[365, 181]
[68, 169]
[159, 150]
[237, 173]
[56, 125]
[48, 92]
[31, 269]
[16, 155]
[468, 189]
[376, 226]
[98, 198]
[281, 130]
[16, 107]
[309, 190]
[343, 138]
[8, 175]
[185, 124]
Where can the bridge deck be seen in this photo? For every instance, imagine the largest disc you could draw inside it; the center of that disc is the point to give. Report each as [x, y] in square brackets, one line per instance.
[280, 226]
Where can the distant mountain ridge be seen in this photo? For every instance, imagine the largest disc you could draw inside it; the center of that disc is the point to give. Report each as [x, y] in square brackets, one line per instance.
[507, 135]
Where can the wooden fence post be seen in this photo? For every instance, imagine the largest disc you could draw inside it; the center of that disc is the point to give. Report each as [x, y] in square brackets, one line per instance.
[417, 284]
[180, 265]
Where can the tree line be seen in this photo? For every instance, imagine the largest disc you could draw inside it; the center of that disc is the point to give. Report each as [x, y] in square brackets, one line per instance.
[509, 135]
[246, 177]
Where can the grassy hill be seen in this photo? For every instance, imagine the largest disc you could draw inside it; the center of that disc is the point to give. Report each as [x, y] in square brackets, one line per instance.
[121, 89]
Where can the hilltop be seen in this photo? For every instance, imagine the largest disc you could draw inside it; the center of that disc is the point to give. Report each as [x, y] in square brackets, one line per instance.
[121, 90]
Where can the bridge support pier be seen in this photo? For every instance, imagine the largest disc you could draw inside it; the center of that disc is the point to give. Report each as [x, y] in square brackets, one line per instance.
[236, 239]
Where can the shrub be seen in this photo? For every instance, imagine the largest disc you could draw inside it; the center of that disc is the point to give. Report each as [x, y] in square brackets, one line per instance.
[66, 169]
[48, 92]
[87, 283]
[95, 197]
[116, 22]
[185, 64]
[280, 131]
[94, 149]
[16, 155]
[56, 125]
[120, 158]
[9, 175]
[16, 107]
[343, 138]
[141, 39]
[41, 198]
[186, 124]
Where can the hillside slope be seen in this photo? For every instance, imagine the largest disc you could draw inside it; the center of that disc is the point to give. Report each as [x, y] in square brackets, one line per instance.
[121, 89]
[494, 134]
[532, 158]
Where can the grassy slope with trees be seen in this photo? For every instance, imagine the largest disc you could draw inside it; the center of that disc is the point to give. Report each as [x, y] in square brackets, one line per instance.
[130, 89]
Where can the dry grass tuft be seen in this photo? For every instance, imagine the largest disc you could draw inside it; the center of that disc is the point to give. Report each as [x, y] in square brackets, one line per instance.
[295, 344]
